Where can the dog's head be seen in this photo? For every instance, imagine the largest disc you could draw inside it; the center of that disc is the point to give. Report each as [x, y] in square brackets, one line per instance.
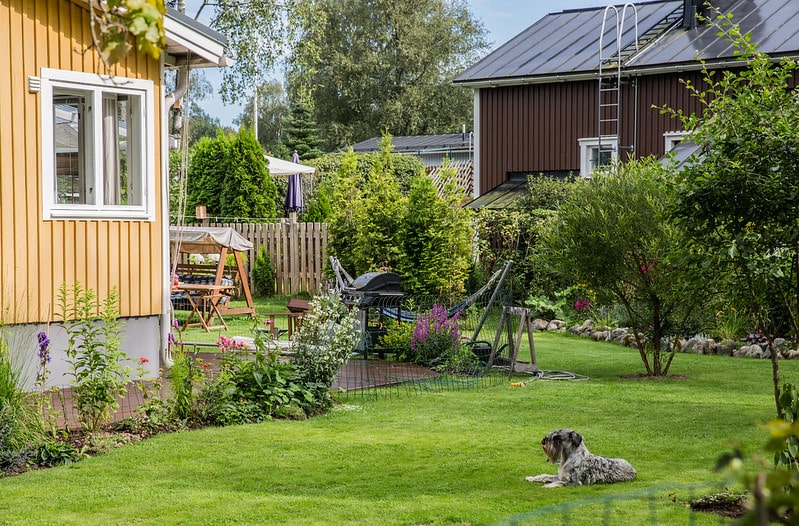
[558, 445]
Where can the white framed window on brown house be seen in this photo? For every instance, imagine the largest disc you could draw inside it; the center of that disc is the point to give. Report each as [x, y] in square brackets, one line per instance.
[594, 154]
[97, 154]
[672, 138]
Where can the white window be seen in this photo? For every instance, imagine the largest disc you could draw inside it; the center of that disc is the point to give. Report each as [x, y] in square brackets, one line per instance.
[594, 154]
[672, 139]
[97, 154]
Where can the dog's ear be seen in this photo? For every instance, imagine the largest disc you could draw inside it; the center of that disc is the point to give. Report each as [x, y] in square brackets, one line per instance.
[576, 438]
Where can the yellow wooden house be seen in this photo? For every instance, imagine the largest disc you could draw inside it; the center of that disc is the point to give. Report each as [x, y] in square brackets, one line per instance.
[83, 164]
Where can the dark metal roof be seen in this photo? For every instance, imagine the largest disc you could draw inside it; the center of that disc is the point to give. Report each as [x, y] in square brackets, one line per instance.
[503, 196]
[566, 44]
[417, 143]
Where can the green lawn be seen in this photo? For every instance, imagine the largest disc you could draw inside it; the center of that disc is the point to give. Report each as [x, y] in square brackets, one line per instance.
[238, 325]
[433, 458]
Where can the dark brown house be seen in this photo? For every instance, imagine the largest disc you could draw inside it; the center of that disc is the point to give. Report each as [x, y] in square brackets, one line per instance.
[581, 86]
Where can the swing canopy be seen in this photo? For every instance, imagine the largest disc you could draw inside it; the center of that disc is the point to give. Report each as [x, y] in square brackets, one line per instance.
[207, 240]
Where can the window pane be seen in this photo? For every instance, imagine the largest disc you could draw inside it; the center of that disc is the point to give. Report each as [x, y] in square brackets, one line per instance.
[72, 184]
[121, 153]
[601, 158]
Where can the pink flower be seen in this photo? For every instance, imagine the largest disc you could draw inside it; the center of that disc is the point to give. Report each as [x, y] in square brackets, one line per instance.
[143, 360]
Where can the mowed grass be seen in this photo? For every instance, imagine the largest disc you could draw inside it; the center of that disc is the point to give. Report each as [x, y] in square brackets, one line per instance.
[435, 457]
[238, 324]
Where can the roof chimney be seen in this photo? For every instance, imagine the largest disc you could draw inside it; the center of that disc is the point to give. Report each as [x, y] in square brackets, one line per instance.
[690, 10]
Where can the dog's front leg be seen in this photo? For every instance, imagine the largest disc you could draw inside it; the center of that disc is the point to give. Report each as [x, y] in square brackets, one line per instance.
[542, 478]
[557, 484]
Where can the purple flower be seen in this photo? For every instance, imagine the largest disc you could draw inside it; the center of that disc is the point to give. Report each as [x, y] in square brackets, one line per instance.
[44, 347]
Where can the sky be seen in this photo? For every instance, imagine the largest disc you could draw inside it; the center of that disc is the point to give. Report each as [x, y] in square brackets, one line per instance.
[503, 19]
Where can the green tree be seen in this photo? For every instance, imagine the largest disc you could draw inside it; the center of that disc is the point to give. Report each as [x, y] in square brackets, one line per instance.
[405, 167]
[737, 197]
[613, 235]
[378, 219]
[385, 64]
[247, 190]
[319, 209]
[257, 35]
[302, 133]
[436, 237]
[346, 203]
[273, 111]
[208, 166]
[229, 175]
[423, 236]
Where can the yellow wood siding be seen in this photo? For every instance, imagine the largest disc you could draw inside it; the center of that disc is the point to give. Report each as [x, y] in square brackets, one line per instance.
[36, 256]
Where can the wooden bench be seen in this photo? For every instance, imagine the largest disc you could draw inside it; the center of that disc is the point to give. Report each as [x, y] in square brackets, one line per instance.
[296, 311]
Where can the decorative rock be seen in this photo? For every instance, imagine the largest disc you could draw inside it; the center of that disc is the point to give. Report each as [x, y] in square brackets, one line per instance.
[690, 344]
[725, 347]
[539, 324]
[697, 344]
[617, 334]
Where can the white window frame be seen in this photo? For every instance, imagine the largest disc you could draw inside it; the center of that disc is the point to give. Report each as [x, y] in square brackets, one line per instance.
[588, 145]
[142, 124]
[672, 138]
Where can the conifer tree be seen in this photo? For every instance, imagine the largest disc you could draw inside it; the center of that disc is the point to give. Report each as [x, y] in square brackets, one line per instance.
[302, 132]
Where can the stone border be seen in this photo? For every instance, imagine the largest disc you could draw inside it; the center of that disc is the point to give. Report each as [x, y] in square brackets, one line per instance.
[695, 344]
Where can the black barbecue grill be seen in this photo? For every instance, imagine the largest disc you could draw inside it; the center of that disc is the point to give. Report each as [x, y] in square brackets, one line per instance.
[372, 293]
[369, 288]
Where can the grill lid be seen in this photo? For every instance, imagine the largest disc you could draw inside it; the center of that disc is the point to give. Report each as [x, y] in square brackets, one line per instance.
[376, 282]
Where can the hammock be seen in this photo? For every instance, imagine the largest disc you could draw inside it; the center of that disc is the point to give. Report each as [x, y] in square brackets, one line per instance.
[405, 316]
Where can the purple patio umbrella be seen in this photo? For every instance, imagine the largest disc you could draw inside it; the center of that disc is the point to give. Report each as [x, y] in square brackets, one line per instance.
[294, 202]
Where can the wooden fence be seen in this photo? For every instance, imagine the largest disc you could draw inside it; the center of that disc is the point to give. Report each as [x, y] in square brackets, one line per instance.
[298, 252]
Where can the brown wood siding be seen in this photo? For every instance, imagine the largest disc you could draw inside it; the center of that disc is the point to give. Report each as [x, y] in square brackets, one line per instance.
[535, 128]
[38, 256]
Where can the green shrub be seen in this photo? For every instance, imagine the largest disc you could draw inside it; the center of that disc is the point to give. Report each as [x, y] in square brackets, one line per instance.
[398, 338]
[263, 274]
[323, 343]
[422, 234]
[53, 453]
[560, 308]
[252, 387]
[405, 167]
[229, 175]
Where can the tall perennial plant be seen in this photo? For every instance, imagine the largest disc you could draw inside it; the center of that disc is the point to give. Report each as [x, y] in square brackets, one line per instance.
[436, 341]
[94, 354]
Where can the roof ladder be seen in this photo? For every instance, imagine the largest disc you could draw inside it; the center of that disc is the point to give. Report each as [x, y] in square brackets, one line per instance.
[609, 93]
